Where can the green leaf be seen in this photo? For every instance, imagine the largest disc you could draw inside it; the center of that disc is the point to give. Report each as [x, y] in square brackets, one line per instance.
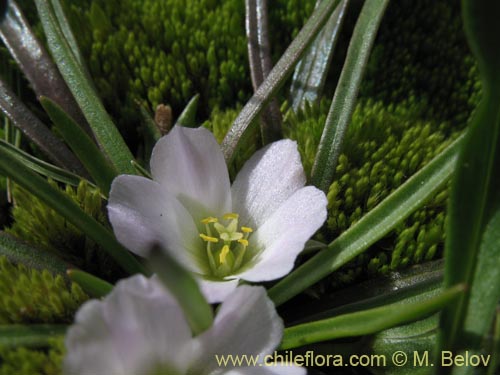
[152, 133]
[312, 246]
[346, 93]
[106, 134]
[92, 285]
[411, 285]
[82, 145]
[66, 207]
[141, 170]
[283, 68]
[311, 71]
[495, 350]
[416, 340]
[366, 322]
[259, 56]
[485, 291]
[66, 30]
[36, 131]
[34, 61]
[33, 335]
[19, 252]
[472, 250]
[372, 227]
[40, 166]
[188, 116]
[184, 288]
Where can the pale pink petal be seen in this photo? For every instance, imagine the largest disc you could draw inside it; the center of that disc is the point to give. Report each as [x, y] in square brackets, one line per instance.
[89, 338]
[136, 328]
[190, 165]
[217, 291]
[283, 235]
[271, 370]
[247, 323]
[142, 213]
[267, 180]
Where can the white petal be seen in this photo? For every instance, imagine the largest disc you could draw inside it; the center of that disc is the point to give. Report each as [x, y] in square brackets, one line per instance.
[142, 213]
[283, 236]
[271, 370]
[189, 162]
[89, 338]
[247, 323]
[217, 291]
[266, 180]
[136, 328]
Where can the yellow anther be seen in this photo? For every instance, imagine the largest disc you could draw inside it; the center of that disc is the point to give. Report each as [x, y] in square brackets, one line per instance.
[204, 237]
[243, 242]
[246, 229]
[231, 215]
[223, 254]
[209, 220]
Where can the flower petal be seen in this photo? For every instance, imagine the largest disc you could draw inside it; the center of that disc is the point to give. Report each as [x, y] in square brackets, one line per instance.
[190, 164]
[247, 323]
[128, 332]
[217, 291]
[90, 338]
[283, 236]
[142, 213]
[268, 179]
[271, 370]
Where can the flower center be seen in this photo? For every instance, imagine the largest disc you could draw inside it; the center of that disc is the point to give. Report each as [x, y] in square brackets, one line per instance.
[226, 245]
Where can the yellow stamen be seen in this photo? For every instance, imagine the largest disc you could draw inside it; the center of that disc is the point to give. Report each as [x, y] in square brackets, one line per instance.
[223, 254]
[209, 220]
[243, 242]
[226, 243]
[231, 215]
[204, 237]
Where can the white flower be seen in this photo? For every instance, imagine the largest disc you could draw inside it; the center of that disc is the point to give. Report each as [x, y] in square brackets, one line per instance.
[140, 329]
[252, 230]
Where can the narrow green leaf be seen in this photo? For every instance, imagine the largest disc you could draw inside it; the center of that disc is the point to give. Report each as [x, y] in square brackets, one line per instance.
[40, 166]
[495, 350]
[107, 135]
[416, 340]
[36, 131]
[484, 290]
[372, 227]
[34, 61]
[61, 203]
[185, 289]
[152, 132]
[311, 71]
[66, 30]
[141, 170]
[346, 93]
[188, 116]
[413, 285]
[276, 78]
[92, 285]
[20, 253]
[82, 145]
[366, 322]
[259, 56]
[312, 246]
[472, 249]
[33, 335]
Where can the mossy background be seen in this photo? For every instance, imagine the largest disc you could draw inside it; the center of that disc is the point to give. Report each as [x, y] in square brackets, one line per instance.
[419, 90]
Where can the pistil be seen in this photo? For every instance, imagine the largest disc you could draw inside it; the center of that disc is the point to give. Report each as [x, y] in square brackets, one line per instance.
[226, 246]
